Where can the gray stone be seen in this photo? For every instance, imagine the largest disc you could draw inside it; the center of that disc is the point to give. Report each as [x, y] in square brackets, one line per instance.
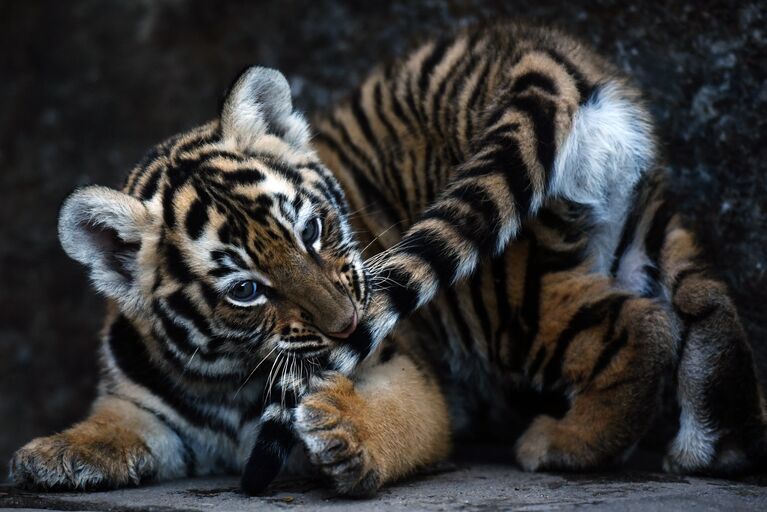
[447, 488]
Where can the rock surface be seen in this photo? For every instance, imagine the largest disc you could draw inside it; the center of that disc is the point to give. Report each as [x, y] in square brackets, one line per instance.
[471, 489]
[88, 86]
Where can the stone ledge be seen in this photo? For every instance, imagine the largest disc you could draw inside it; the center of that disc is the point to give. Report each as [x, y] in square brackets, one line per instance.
[476, 487]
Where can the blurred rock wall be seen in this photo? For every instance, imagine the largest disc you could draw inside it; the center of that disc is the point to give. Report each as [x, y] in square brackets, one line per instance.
[87, 86]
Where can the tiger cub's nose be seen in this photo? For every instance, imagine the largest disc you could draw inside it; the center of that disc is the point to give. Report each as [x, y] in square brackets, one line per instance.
[348, 330]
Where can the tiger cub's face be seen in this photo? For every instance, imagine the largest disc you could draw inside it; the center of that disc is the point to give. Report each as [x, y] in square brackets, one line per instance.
[230, 243]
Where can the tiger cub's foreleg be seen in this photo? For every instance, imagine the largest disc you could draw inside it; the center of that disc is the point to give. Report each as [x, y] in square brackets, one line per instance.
[119, 444]
[383, 427]
[723, 423]
[608, 352]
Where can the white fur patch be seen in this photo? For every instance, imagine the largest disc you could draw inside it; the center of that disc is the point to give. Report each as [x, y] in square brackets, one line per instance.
[343, 360]
[694, 445]
[631, 275]
[609, 147]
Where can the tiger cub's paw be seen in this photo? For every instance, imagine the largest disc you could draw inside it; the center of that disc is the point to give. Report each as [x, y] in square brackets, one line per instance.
[69, 461]
[331, 425]
[533, 449]
[547, 445]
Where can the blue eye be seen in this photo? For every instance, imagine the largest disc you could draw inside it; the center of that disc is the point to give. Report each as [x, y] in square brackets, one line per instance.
[311, 232]
[244, 291]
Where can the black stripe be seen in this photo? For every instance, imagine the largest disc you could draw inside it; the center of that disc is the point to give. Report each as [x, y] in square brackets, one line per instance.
[368, 189]
[178, 174]
[348, 144]
[508, 160]
[387, 353]
[485, 219]
[397, 109]
[410, 99]
[588, 316]
[480, 309]
[247, 176]
[283, 169]
[464, 333]
[541, 112]
[175, 333]
[361, 340]
[404, 298]
[206, 156]
[378, 103]
[653, 286]
[175, 264]
[608, 353]
[150, 185]
[526, 323]
[141, 169]
[133, 359]
[198, 140]
[585, 89]
[362, 120]
[656, 235]
[253, 412]
[196, 218]
[428, 64]
[182, 306]
[540, 356]
[417, 202]
[503, 307]
[428, 173]
[553, 221]
[437, 251]
[534, 79]
[437, 100]
[168, 208]
[629, 230]
[470, 226]
[180, 364]
[477, 97]
[549, 261]
[190, 457]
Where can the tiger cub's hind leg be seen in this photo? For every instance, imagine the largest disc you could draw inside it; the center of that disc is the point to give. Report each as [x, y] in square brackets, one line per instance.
[722, 422]
[608, 353]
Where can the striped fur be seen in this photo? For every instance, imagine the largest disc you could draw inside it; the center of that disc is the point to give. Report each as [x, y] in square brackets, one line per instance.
[518, 240]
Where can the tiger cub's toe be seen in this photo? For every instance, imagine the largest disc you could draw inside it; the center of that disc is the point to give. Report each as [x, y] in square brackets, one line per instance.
[330, 426]
[61, 462]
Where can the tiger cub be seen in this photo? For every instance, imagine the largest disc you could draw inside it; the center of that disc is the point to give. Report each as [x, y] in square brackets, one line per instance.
[526, 274]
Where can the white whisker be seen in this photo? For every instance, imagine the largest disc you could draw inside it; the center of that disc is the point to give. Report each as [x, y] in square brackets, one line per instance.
[254, 370]
[191, 358]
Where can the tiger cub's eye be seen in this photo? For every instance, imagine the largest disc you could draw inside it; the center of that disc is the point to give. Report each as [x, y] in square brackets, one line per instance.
[244, 291]
[311, 232]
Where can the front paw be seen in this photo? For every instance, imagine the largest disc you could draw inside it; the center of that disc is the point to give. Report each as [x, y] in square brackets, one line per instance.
[330, 424]
[69, 461]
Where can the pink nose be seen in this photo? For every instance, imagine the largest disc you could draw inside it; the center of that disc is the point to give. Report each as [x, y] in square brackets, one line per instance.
[348, 330]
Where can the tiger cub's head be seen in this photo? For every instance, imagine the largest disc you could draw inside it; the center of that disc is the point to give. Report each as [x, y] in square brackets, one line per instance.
[229, 242]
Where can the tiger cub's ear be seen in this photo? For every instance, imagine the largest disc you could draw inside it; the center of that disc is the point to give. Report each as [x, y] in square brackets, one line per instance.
[259, 103]
[102, 229]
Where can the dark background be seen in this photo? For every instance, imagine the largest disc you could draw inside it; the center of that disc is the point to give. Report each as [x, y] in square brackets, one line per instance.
[87, 86]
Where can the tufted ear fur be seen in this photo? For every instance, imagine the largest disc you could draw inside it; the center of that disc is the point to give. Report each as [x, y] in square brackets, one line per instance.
[102, 229]
[259, 103]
